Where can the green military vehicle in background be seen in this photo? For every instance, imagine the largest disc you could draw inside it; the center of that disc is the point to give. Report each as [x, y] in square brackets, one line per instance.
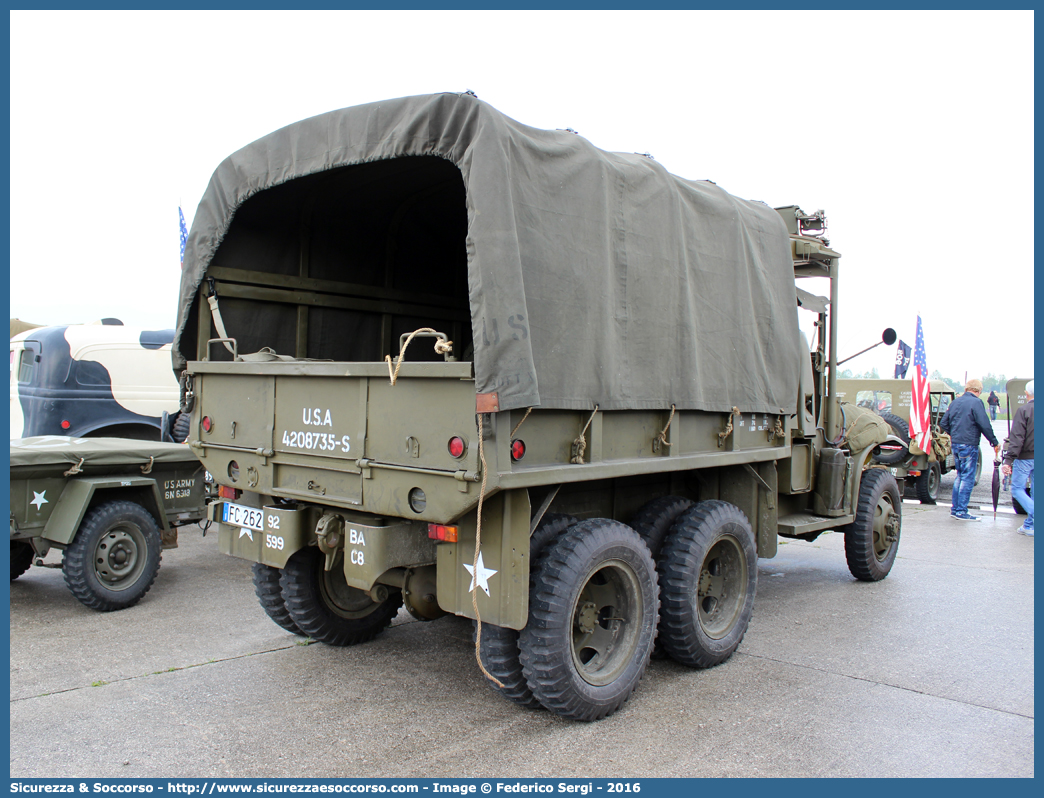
[918, 472]
[618, 417]
[109, 504]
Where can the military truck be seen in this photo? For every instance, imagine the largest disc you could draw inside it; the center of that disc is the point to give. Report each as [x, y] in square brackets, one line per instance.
[919, 473]
[436, 358]
[94, 380]
[110, 505]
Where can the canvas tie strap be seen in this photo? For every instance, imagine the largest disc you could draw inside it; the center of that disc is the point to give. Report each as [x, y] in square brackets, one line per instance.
[441, 348]
[474, 564]
[580, 444]
[662, 437]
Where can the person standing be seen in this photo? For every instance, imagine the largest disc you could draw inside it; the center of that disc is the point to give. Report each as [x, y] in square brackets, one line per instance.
[1018, 459]
[965, 419]
[994, 402]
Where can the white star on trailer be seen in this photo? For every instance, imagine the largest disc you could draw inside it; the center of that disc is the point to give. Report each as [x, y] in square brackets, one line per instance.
[39, 500]
[480, 575]
[249, 533]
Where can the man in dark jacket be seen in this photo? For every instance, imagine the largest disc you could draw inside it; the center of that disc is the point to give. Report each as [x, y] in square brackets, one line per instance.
[994, 402]
[965, 420]
[1018, 459]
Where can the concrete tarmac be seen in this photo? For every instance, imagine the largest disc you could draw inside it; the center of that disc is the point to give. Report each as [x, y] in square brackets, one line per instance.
[926, 673]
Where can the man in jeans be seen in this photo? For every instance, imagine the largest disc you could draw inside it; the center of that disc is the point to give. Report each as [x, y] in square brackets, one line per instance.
[965, 420]
[1018, 459]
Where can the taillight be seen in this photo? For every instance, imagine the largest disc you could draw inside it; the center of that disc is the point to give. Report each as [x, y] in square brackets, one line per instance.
[66, 424]
[518, 449]
[447, 534]
[457, 447]
[207, 424]
[225, 492]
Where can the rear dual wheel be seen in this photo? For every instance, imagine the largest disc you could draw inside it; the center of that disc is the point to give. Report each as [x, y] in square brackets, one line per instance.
[498, 647]
[270, 595]
[324, 607]
[592, 620]
[21, 557]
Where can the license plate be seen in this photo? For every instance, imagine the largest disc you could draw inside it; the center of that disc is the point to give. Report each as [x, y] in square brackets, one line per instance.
[238, 515]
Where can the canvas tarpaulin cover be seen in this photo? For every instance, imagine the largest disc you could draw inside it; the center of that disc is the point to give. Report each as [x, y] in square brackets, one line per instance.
[592, 277]
[58, 450]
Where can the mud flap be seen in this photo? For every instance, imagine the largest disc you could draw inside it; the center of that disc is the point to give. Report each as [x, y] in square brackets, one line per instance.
[501, 580]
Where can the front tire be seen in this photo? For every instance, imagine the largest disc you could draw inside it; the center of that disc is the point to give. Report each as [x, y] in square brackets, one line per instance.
[592, 619]
[325, 608]
[872, 540]
[114, 558]
[270, 594]
[498, 647]
[927, 485]
[21, 557]
[708, 576]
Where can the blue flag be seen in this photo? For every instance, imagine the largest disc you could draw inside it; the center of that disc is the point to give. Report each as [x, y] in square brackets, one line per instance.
[184, 236]
[902, 360]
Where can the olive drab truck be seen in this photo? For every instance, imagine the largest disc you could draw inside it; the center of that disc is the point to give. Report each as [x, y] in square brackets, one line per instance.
[919, 473]
[436, 358]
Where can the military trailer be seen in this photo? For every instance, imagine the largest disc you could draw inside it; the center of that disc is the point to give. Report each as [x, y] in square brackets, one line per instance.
[918, 472]
[436, 358]
[110, 505]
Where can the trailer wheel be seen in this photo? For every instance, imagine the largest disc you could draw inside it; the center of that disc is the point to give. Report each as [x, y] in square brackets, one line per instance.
[325, 608]
[1015, 505]
[872, 540]
[927, 485]
[499, 645]
[114, 558]
[270, 594]
[592, 619]
[21, 557]
[708, 575]
[653, 521]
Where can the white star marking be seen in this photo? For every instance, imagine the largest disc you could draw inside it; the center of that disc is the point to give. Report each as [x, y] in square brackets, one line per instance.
[248, 532]
[479, 575]
[39, 500]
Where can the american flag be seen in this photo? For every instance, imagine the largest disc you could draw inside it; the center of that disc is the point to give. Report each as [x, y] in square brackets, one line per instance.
[920, 413]
[184, 236]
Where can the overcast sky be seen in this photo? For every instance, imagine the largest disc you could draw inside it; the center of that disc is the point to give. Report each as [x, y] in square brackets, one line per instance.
[912, 130]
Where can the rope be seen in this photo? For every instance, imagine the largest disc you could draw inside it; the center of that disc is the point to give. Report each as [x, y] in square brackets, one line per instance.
[474, 565]
[662, 437]
[74, 470]
[777, 431]
[728, 427]
[580, 444]
[441, 348]
[519, 424]
[145, 469]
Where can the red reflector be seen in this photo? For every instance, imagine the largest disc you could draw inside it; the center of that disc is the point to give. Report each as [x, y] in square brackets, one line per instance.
[456, 446]
[518, 450]
[66, 424]
[207, 424]
[915, 473]
[228, 493]
[447, 534]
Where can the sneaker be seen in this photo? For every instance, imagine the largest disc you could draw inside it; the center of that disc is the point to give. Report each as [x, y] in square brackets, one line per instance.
[966, 517]
[1023, 531]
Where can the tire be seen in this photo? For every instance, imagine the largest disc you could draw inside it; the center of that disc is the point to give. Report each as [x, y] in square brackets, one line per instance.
[498, 647]
[270, 594]
[901, 430]
[978, 470]
[1015, 505]
[325, 608]
[114, 558]
[179, 431]
[708, 574]
[654, 520]
[592, 620]
[927, 485]
[21, 557]
[872, 540]
[652, 523]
